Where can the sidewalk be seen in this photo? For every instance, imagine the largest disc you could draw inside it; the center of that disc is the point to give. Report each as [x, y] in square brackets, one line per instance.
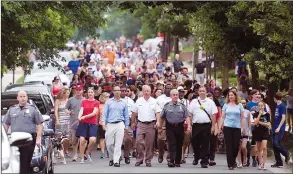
[8, 77]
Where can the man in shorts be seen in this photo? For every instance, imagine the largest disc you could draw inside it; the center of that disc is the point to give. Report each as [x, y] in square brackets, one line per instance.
[73, 105]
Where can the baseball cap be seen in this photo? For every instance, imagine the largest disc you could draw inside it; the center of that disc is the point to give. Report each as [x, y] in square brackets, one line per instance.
[79, 87]
[180, 88]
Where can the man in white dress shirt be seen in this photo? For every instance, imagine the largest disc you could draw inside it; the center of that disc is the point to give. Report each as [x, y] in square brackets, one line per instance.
[203, 112]
[127, 140]
[162, 139]
[148, 118]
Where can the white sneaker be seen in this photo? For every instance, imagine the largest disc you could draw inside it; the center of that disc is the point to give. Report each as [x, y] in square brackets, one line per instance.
[89, 159]
[82, 161]
[64, 161]
[75, 157]
[239, 166]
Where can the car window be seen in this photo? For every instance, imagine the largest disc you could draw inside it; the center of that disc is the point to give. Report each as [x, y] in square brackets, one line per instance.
[6, 104]
[40, 104]
[48, 100]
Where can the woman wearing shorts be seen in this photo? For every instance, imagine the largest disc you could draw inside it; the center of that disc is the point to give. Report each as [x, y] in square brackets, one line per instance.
[62, 117]
[87, 128]
[261, 133]
[244, 138]
[103, 98]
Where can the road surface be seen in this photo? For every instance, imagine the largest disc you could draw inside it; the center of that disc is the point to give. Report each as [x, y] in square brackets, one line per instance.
[101, 166]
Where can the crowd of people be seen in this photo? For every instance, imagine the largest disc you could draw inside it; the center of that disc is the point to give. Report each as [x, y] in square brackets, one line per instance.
[131, 98]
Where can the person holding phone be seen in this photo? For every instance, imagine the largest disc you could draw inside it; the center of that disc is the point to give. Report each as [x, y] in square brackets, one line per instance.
[261, 133]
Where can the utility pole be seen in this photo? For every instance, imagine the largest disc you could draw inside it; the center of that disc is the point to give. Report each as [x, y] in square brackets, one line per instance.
[13, 75]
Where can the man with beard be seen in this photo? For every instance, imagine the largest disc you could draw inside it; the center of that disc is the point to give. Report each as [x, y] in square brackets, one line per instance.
[161, 141]
[127, 140]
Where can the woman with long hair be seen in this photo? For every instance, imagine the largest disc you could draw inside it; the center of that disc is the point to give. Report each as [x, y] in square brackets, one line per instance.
[75, 79]
[62, 117]
[87, 128]
[212, 85]
[232, 123]
[261, 133]
[103, 98]
[244, 138]
[56, 86]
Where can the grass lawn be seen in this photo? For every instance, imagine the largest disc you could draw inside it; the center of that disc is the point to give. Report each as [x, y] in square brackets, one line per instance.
[20, 80]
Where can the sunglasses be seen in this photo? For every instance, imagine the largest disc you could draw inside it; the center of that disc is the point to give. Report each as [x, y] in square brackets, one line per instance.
[57, 79]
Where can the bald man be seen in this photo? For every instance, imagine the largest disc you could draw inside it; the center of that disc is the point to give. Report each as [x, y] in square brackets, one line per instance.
[25, 117]
[148, 118]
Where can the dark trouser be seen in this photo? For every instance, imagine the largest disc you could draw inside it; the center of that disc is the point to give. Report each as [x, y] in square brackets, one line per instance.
[175, 137]
[200, 141]
[26, 155]
[248, 147]
[213, 141]
[278, 147]
[232, 139]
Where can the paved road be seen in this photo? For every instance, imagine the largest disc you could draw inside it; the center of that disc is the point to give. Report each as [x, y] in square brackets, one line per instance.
[101, 166]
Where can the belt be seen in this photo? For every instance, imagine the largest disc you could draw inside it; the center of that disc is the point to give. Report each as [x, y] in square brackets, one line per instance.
[115, 122]
[146, 122]
[175, 124]
[202, 123]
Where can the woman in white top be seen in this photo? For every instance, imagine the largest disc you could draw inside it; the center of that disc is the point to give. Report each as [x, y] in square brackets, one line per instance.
[243, 141]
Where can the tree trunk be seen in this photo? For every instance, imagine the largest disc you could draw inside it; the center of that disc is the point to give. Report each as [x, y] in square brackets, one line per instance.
[291, 83]
[176, 45]
[225, 74]
[272, 90]
[169, 44]
[254, 75]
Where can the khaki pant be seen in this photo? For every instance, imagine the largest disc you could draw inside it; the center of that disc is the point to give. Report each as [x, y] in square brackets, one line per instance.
[186, 142]
[127, 141]
[145, 136]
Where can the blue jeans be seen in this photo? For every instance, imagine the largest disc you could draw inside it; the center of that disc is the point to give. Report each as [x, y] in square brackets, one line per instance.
[278, 147]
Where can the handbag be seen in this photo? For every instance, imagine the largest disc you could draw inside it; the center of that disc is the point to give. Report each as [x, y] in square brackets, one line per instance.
[205, 110]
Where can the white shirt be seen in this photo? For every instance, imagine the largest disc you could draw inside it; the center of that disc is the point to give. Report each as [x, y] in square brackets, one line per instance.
[184, 101]
[146, 109]
[162, 100]
[199, 115]
[129, 103]
[98, 73]
[243, 95]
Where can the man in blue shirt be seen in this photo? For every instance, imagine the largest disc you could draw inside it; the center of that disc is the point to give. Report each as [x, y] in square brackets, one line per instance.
[73, 64]
[278, 132]
[115, 121]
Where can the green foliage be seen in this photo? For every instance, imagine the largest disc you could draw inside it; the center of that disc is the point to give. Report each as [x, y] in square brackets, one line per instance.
[45, 26]
[120, 23]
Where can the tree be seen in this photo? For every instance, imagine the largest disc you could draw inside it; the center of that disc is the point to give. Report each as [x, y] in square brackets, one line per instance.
[45, 26]
[120, 22]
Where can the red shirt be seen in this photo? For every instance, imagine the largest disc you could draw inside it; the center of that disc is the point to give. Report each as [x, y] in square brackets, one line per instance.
[88, 108]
